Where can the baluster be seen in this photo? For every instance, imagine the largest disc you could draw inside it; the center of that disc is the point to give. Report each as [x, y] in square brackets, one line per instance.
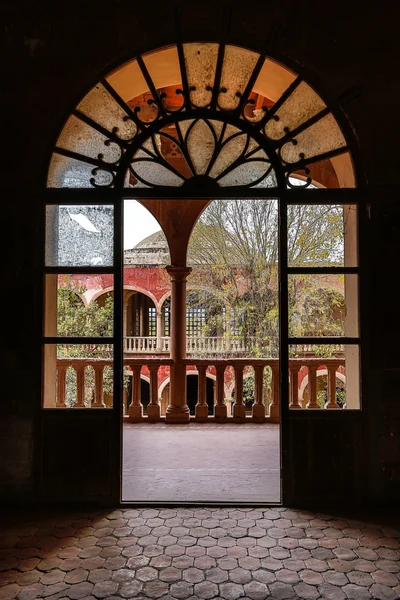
[294, 386]
[332, 368]
[80, 386]
[258, 406]
[239, 409]
[153, 409]
[61, 385]
[135, 408]
[274, 406]
[312, 387]
[98, 386]
[220, 409]
[201, 410]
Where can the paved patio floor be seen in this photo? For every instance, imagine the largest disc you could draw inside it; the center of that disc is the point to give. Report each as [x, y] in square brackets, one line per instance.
[198, 553]
[201, 462]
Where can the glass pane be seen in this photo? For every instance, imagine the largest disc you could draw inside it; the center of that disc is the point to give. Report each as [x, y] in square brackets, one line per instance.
[79, 305]
[83, 139]
[234, 144]
[200, 62]
[332, 173]
[323, 136]
[236, 71]
[273, 80]
[70, 173]
[100, 106]
[200, 145]
[324, 376]
[322, 235]
[78, 376]
[79, 236]
[249, 173]
[301, 105]
[163, 67]
[232, 299]
[128, 81]
[150, 172]
[323, 305]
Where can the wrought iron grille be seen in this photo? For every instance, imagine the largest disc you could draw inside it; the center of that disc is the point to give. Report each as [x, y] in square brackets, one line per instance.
[209, 124]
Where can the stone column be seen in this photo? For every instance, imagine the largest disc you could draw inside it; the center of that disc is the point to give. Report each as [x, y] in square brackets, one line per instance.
[80, 386]
[98, 386]
[153, 409]
[220, 409]
[142, 321]
[332, 368]
[178, 410]
[312, 387]
[62, 372]
[294, 386]
[258, 406]
[135, 408]
[159, 330]
[274, 406]
[239, 409]
[201, 410]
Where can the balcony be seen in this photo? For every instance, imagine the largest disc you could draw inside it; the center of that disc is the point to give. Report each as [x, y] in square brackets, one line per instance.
[263, 409]
[199, 345]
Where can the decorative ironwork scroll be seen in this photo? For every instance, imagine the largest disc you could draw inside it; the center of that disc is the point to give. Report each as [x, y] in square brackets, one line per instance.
[196, 114]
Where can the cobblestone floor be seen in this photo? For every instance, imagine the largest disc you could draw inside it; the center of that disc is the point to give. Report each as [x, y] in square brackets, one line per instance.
[201, 462]
[198, 553]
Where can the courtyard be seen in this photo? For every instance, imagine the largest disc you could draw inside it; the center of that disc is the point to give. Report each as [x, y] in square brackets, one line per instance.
[201, 462]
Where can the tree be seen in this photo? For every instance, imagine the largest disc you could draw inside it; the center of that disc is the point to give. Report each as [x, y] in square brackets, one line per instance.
[76, 319]
[234, 252]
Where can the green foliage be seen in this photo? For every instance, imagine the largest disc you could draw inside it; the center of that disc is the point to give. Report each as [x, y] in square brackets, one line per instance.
[76, 319]
[234, 252]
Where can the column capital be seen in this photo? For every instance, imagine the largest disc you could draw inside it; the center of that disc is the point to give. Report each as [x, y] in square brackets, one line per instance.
[178, 273]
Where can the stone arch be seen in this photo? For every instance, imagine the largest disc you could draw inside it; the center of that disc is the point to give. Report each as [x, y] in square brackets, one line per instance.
[320, 373]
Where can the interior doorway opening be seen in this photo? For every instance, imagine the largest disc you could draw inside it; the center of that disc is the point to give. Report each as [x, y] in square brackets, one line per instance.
[243, 159]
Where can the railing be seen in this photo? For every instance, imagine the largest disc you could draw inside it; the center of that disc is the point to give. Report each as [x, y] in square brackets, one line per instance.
[196, 345]
[79, 365]
[261, 410]
[140, 344]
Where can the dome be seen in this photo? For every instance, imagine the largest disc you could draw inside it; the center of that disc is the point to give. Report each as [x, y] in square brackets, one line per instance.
[152, 251]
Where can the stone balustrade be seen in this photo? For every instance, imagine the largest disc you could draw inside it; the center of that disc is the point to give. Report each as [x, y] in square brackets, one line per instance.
[261, 411]
[79, 365]
[195, 345]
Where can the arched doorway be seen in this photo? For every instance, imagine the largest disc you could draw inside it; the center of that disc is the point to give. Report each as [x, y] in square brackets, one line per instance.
[192, 393]
[177, 128]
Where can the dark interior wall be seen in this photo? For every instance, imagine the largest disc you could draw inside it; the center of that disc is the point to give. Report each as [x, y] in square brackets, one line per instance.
[53, 52]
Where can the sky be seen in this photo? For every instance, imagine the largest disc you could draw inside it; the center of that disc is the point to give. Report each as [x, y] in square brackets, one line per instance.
[138, 223]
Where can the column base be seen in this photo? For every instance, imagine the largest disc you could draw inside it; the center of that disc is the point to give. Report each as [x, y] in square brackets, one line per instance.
[258, 412]
[239, 411]
[135, 413]
[220, 411]
[274, 411]
[201, 412]
[308, 405]
[98, 405]
[153, 412]
[331, 406]
[177, 414]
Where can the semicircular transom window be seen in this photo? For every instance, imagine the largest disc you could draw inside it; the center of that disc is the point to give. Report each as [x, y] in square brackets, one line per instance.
[201, 114]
